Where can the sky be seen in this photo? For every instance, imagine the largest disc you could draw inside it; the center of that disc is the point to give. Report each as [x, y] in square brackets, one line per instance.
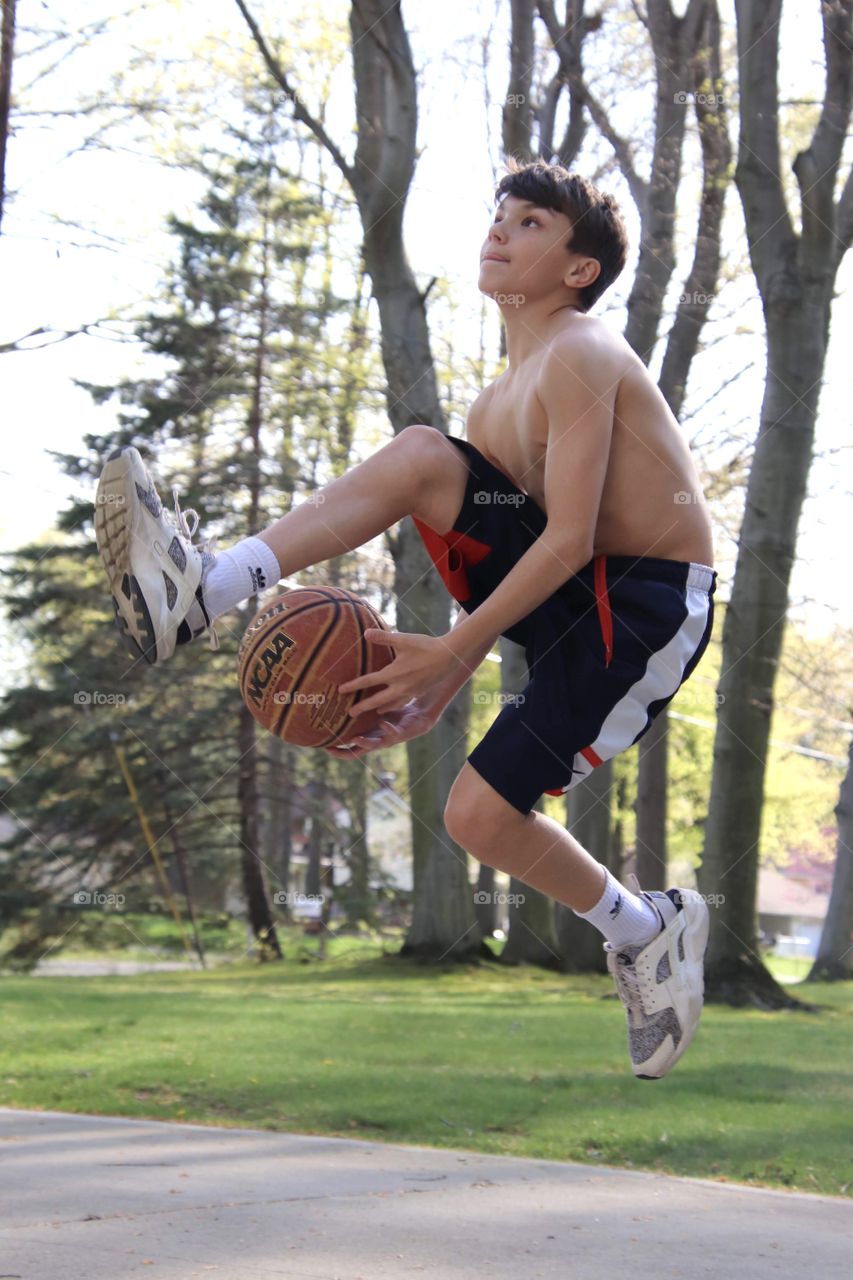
[63, 277]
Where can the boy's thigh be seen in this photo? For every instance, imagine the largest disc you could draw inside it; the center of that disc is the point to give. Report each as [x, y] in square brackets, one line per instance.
[493, 526]
[441, 496]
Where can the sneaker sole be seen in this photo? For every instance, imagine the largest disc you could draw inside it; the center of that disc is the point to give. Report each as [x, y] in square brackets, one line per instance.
[112, 533]
[695, 939]
[116, 507]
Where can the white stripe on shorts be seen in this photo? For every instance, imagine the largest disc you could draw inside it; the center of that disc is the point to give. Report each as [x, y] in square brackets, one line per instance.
[662, 677]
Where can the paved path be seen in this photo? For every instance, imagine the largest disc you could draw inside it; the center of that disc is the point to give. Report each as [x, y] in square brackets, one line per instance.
[94, 1198]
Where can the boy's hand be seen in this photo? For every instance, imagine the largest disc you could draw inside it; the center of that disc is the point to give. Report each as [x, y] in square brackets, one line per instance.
[422, 662]
[398, 726]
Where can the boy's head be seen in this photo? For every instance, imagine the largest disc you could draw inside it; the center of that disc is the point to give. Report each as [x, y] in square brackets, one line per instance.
[578, 238]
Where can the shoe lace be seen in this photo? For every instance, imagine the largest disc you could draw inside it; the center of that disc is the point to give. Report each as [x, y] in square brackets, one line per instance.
[628, 981]
[206, 547]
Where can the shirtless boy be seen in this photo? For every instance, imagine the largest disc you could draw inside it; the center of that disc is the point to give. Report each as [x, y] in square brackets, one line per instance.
[571, 520]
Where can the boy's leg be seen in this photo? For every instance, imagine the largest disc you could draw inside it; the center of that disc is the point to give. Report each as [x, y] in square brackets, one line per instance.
[167, 590]
[655, 941]
[536, 849]
[418, 473]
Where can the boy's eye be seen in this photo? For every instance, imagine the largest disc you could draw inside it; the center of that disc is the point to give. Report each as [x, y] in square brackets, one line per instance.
[527, 218]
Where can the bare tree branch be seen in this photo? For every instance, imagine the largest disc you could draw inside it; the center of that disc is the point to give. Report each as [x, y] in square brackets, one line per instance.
[563, 47]
[300, 111]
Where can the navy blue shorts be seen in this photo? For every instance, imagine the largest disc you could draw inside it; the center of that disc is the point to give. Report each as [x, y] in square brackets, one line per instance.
[605, 653]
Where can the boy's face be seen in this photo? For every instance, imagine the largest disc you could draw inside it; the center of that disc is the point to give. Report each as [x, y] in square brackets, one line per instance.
[532, 243]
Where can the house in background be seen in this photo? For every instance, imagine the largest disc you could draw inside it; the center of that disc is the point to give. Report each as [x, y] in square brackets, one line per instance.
[792, 903]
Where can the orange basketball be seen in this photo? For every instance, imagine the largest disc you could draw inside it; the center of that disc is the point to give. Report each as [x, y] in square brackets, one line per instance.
[296, 651]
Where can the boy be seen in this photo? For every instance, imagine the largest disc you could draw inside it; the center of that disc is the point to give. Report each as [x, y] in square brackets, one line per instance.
[571, 520]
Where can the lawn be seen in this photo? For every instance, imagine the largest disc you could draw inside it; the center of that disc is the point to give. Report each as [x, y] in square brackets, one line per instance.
[511, 1061]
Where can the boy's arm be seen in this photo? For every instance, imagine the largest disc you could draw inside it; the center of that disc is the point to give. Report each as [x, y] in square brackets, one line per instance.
[577, 389]
[437, 698]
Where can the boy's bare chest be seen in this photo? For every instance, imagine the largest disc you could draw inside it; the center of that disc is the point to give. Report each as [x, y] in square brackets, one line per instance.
[507, 424]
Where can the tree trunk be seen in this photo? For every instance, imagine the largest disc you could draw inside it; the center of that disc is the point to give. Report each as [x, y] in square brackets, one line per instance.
[687, 65]
[358, 898]
[260, 913]
[444, 924]
[257, 902]
[795, 276]
[834, 959]
[588, 819]
[652, 781]
[7, 53]
[682, 345]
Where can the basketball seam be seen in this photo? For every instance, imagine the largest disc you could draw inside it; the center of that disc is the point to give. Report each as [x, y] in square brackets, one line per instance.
[335, 596]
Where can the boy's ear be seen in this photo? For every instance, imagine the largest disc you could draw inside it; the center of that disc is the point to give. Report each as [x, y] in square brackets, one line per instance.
[582, 273]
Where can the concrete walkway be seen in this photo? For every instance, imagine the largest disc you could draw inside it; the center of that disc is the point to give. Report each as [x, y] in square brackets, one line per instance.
[93, 1198]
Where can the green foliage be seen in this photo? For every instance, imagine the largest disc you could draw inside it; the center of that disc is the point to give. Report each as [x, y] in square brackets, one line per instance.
[249, 395]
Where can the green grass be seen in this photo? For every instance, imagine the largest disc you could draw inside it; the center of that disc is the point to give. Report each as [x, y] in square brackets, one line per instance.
[512, 1061]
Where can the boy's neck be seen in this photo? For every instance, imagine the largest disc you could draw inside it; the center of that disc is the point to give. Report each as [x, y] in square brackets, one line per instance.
[530, 326]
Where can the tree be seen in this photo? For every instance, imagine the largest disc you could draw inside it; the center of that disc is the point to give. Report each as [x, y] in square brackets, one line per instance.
[443, 923]
[687, 70]
[795, 273]
[834, 959]
[7, 53]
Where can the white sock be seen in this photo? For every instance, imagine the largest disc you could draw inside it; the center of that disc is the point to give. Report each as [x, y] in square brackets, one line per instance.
[243, 570]
[622, 917]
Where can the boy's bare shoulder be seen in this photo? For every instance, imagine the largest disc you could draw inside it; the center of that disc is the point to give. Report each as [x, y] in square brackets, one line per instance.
[588, 348]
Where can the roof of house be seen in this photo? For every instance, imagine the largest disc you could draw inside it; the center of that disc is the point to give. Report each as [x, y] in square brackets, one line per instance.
[779, 895]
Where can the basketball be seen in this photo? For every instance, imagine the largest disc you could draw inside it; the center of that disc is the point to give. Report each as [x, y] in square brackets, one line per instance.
[296, 651]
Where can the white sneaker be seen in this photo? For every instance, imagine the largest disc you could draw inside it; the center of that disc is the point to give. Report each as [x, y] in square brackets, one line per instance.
[661, 983]
[155, 571]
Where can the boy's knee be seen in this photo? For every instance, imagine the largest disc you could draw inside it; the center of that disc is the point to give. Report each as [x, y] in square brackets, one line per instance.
[476, 815]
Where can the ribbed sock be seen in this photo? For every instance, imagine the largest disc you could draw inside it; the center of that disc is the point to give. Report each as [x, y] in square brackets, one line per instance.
[621, 916]
[243, 570]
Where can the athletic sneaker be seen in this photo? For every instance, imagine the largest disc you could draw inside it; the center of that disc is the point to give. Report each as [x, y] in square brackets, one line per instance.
[154, 569]
[661, 983]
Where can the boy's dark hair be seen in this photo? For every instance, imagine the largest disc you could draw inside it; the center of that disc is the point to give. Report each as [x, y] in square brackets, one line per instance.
[597, 226]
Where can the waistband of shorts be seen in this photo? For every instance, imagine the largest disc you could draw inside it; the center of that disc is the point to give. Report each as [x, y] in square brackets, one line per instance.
[683, 573]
